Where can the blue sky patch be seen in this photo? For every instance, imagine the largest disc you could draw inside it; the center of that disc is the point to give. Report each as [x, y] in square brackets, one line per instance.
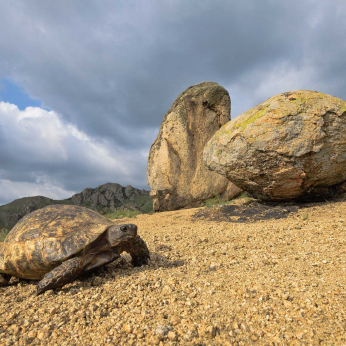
[15, 94]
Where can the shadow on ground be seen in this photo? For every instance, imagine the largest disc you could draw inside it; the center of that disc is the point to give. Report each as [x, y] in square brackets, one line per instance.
[119, 268]
[252, 212]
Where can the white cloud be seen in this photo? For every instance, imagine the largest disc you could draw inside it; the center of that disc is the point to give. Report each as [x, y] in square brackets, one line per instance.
[51, 155]
[42, 135]
[34, 132]
[11, 190]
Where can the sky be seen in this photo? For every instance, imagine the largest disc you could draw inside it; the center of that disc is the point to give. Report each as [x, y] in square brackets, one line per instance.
[84, 85]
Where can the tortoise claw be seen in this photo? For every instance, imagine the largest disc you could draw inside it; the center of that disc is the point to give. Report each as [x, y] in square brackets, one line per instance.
[4, 279]
[39, 290]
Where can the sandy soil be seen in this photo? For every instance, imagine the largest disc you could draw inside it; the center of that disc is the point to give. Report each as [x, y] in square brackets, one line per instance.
[218, 276]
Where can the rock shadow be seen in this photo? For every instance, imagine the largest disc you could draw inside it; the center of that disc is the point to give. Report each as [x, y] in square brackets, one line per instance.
[255, 211]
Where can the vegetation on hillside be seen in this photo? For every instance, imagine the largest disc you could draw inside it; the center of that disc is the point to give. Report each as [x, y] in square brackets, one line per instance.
[10, 213]
[3, 233]
[120, 214]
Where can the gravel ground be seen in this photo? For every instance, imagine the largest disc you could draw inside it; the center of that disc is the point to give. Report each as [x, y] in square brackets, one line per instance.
[212, 280]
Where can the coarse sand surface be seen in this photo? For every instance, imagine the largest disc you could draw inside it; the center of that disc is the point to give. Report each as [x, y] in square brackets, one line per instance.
[257, 274]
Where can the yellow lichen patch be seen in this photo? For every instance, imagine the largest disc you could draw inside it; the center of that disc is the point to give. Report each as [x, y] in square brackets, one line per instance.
[283, 105]
[251, 119]
[342, 105]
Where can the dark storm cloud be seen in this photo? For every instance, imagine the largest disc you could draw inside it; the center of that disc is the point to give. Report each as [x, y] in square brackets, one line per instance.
[113, 69]
[104, 64]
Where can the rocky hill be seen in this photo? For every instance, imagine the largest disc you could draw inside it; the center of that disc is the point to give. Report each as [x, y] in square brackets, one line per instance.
[110, 197]
[105, 198]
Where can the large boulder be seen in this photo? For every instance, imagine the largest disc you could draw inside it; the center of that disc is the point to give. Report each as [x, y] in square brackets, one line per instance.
[291, 146]
[177, 175]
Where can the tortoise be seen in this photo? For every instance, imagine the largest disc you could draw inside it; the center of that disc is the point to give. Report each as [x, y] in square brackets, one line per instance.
[57, 243]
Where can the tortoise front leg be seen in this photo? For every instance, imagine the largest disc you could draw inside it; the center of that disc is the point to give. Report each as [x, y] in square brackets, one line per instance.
[4, 279]
[139, 252]
[66, 272]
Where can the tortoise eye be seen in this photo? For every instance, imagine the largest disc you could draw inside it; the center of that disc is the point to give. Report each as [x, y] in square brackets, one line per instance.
[123, 228]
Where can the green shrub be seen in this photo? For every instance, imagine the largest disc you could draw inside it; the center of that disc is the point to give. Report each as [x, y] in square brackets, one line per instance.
[215, 201]
[3, 233]
[145, 203]
[148, 207]
[210, 202]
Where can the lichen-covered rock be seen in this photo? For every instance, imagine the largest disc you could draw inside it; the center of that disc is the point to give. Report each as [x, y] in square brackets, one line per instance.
[177, 175]
[293, 145]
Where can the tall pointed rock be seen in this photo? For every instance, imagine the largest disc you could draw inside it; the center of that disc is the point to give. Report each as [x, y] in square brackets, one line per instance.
[176, 174]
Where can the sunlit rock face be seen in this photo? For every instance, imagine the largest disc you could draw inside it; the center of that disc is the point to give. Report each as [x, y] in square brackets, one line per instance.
[291, 146]
[176, 174]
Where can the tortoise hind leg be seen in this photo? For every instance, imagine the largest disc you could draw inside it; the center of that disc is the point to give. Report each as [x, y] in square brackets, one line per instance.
[59, 276]
[4, 279]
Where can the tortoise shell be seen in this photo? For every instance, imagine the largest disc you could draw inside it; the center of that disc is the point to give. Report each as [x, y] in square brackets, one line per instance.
[45, 238]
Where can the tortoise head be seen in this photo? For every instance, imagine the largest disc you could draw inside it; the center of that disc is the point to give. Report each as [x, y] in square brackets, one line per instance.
[119, 234]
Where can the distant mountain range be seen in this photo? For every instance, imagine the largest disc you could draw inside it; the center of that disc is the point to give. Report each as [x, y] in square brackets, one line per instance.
[105, 198]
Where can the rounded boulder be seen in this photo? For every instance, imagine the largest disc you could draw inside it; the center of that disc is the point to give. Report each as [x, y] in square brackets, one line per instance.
[291, 146]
